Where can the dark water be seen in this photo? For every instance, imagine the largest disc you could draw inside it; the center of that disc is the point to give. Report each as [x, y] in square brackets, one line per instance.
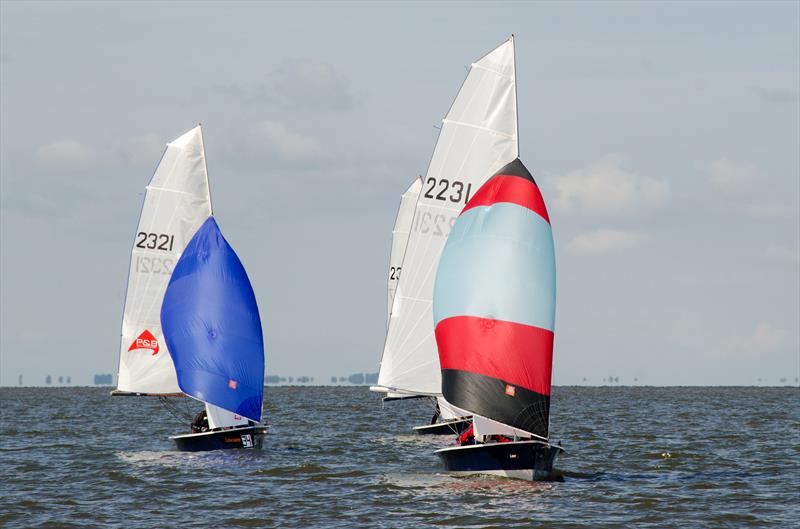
[76, 457]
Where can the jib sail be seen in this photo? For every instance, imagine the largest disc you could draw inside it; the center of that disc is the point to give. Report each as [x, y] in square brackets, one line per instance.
[478, 136]
[176, 203]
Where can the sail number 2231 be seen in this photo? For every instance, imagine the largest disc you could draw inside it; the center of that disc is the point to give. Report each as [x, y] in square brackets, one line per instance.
[447, 190]
[155, 241]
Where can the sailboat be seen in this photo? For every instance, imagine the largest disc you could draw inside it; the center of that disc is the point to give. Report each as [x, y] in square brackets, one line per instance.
[494, 313]
[211, 324]
[478, 137]
[177, 203]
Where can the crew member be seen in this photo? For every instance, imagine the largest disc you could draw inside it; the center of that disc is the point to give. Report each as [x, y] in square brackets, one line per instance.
[200, 422]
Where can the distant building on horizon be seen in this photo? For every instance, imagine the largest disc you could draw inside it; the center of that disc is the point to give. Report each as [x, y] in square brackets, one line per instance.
[20, 380]
[48, 380]
[103, 380]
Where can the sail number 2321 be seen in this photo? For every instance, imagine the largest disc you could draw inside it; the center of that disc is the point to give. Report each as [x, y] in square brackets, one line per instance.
[155, 241]
[447, 190]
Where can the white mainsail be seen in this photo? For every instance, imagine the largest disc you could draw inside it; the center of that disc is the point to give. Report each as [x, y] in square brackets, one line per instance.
[478, 137]
[402, 227]
[176, 203]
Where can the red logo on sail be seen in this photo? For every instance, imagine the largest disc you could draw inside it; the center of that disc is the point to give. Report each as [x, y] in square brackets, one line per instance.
[146, 340]
[511, 390]
[232, 384]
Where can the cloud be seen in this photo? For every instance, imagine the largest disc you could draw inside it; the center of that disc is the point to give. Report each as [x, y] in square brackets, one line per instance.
[732, 177]
[143, 150]
[606, 188]
[775, 95]
[297, 85]
[313, 84]
[765, 339]
[771, 211]
[604, 241]
[782, 253]
[65, 154]
[273, 143]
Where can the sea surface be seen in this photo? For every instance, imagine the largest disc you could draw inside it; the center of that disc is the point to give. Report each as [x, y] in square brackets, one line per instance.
[338, 457]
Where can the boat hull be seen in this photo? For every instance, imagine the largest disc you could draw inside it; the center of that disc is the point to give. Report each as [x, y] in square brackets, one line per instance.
[453, 426]
[247, 437]
[531, 460]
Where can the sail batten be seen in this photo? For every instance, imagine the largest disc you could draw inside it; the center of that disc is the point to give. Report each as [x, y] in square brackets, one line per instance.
[177, 201]
[478, 136]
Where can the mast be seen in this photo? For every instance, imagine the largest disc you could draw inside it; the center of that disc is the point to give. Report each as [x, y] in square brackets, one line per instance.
[478, 136]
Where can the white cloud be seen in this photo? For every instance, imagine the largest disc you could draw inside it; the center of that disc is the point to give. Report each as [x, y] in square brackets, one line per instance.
[297, 85]
[274, 143]
[731, 177]
[782, 253]
[313, 84]
[65, 154]
[142, 150]
[606, 188]
[771, 211]
[765, 339]
[604, 241]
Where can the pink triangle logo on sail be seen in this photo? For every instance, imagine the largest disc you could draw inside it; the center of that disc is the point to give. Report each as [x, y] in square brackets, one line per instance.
[146, 340]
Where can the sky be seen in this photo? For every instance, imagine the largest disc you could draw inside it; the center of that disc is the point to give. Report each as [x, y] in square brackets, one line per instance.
[664, 137]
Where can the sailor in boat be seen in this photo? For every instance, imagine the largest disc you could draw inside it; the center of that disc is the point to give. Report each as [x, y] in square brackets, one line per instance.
[200, 422]
[468, 438]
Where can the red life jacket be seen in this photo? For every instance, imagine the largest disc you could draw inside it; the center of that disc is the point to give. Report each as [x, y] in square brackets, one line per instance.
[466, 435]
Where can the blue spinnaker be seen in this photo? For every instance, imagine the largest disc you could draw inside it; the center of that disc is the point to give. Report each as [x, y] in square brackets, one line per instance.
[211, 324]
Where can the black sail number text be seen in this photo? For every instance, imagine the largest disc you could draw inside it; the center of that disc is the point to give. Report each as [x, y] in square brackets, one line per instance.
[155, 241]
[447, 191]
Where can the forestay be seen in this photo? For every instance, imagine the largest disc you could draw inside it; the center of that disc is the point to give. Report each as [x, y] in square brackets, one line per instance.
[176, 203]
[212, 326]
[402, 227]
[478, 136]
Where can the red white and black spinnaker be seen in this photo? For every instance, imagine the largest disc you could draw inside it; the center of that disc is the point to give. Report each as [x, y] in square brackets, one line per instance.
[494, 315]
